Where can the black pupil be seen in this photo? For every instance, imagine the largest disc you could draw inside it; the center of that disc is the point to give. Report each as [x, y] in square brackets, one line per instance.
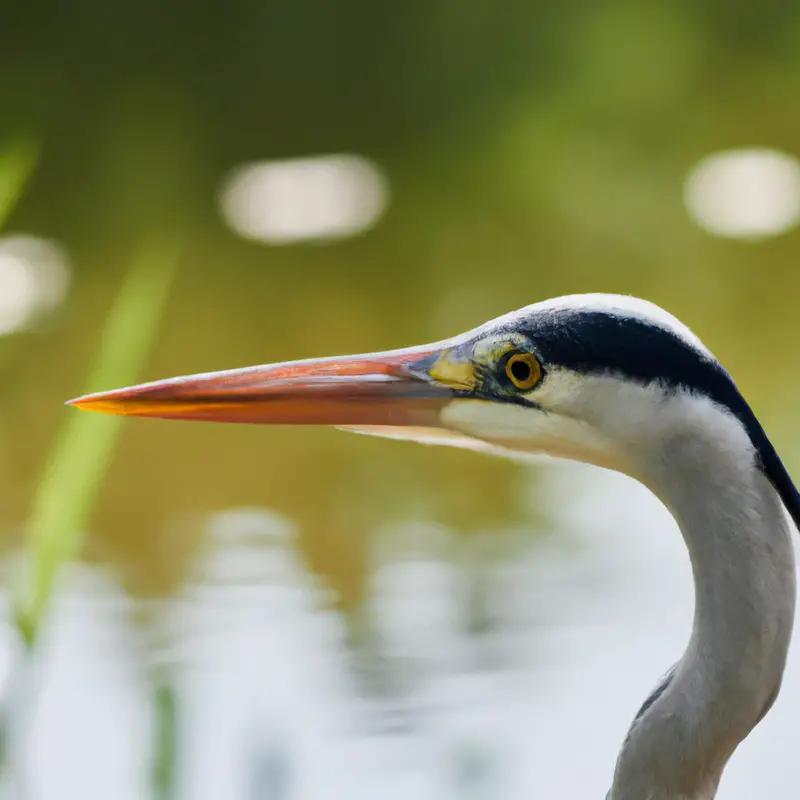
[521, 370]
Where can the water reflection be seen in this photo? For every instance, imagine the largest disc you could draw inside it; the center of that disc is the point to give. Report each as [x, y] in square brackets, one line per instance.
[80, 714]
[500, 666]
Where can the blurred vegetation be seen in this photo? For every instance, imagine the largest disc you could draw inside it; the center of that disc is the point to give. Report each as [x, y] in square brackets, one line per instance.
[17, 160]
[82, 452]
[165, 749]
[532, 150]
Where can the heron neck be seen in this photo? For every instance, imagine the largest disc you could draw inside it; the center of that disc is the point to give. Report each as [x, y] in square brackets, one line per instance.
[739, 542]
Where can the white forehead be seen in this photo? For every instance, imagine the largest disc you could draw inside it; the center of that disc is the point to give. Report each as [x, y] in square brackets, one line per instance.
[620, 305]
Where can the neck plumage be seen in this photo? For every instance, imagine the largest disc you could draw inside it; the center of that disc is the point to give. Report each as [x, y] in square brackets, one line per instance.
[739, 542]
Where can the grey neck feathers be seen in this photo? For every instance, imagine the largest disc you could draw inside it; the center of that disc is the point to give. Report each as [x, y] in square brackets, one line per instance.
[739, 542]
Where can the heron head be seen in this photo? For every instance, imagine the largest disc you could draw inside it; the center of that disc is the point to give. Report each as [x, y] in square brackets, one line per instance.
[594, 378]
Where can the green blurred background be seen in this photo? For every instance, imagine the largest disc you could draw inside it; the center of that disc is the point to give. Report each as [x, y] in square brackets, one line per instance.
[501, 153]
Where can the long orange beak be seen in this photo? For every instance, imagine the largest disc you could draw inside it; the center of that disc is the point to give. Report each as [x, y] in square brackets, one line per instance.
[384, 389]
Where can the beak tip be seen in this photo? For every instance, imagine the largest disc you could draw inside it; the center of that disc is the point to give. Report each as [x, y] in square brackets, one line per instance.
[90, 402]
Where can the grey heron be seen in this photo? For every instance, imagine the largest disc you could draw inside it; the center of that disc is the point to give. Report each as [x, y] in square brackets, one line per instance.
[609, 380]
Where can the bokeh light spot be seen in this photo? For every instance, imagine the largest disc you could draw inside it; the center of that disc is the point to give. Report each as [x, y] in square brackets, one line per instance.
[745, 194]
[325, 197]
[34, 277]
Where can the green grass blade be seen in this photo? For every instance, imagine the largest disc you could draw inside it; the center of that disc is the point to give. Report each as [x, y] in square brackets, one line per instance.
[17, 161]
[82, 452]
[163, 775]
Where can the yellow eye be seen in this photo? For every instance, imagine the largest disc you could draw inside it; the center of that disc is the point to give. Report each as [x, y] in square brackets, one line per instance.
[523, 370]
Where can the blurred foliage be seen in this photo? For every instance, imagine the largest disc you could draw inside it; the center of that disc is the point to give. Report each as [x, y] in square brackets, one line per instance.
[82, 452]
[17, 160]
[532, 149]
[165, 749]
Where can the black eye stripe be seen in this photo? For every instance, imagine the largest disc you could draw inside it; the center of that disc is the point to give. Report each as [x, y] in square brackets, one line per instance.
[592, 341]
